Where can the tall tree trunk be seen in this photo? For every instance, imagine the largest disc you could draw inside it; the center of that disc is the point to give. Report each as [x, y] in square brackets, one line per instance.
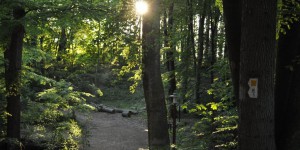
[191, 35]
[256, 107]
[221, 38]
[213, 27]
[186, 53]
[207, 40]
[232, 19]
[170, 62]
[171, 57]
[98, 54]
[184, 65]
[200, 49]
[153, 88]
[287, 96]
[166, 39]
[13, 62]
[62, 45]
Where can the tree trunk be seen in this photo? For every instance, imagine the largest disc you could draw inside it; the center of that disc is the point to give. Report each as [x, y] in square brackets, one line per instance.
[97, 83]
[213, 40]
[232, 19]
[213, 35]
[191, 35]
[170, 54]
[185, 58]
[62, 46]
[287, 96]
[170, 63]
[13, 61]
[183, 80]
[221, 38]
[200, 50]
[256, 109]
[207, 40]
[158, 135]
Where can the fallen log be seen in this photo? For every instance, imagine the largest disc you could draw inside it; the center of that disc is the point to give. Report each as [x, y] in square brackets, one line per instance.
[107, 109]
[97, 106]
[119, 110]
[134, 112]
[126, 114]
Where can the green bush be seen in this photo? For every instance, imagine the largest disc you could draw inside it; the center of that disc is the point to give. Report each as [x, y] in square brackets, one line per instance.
[49, 117]
[215, 124]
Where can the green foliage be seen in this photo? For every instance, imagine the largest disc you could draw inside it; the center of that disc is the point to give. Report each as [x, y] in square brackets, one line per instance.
[219, 5]
[64, 135]
[99, 34]
[217, 127]
[32, 55]
[120, 97]
[136, 79]
[216, 122]
[3, 113]
[102, 36]
[51, 116]
[221, 88]
[288, 13]
[63, 94]
[48, 112]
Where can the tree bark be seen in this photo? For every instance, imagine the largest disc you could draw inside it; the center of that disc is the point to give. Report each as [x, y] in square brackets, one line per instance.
[207, 39]
[221, 39]
[170, 62]
[213, 35]
[232, 19]
[186, 55]
[200, 49]
[191, 35]
[287, 89]
[158, 135]
[13, 62]
[170, 54]
[256, 115]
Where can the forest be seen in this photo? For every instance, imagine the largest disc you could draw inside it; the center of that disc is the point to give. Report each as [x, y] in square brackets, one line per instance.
[203, 74]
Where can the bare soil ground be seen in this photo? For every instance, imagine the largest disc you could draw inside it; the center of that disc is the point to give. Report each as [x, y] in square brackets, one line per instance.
[114, 132]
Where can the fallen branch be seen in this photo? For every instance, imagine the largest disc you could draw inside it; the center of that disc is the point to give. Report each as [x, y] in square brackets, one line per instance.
[124, 112]
[107, 109]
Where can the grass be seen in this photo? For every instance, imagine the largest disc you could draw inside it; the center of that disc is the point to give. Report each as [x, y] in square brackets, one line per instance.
[120, 97]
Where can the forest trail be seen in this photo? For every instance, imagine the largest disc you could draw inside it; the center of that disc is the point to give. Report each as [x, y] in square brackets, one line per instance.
[114, 132]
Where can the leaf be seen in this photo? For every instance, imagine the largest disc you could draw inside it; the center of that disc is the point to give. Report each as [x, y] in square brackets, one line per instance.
[201, 107]
[184, 107]
[193, 110]
[99, 92]
[227, 83]
[213, 106]
[210, 91]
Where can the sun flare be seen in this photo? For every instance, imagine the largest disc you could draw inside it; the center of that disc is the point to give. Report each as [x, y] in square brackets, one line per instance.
[141, 7]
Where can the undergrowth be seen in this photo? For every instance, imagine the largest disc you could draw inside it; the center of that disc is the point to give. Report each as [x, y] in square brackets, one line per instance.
[211, 124]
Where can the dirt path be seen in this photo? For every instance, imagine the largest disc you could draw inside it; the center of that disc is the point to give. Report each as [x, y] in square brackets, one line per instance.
[114, 132]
